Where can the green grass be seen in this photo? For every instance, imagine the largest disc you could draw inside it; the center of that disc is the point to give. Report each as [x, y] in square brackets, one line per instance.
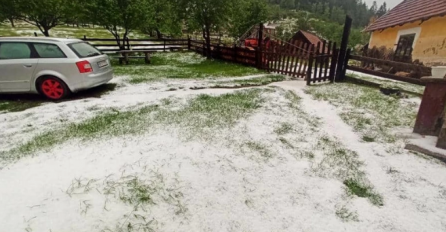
[261, 149]
[344, 164]
[18, 105]
[367, 110]
[345, 215]
[21, 102]
[358, 189]
[200, 118]
[284, 128]
[180, 66]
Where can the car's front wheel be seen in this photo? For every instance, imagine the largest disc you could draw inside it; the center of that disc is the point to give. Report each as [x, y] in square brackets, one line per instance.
[53, 88]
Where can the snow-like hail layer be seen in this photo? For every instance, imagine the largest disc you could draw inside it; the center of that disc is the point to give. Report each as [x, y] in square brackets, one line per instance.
[216, 185]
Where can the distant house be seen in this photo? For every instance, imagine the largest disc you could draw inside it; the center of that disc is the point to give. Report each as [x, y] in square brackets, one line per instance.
[270, 29]
[413, 29]
[307, 37]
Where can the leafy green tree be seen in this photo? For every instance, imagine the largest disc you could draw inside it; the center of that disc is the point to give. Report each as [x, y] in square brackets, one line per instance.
[9, 10]
[45, 15]
[120, 17]
[165, 19]
[304, 21]
[208, 16]
[287, 4]
[246, 15]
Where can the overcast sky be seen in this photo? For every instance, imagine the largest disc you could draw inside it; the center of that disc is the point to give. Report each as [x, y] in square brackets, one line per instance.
[390, 3]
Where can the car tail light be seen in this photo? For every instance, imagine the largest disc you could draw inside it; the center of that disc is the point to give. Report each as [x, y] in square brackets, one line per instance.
[84, 66]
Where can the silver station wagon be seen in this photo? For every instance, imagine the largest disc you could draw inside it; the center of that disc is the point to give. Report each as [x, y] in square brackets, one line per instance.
[50, 66]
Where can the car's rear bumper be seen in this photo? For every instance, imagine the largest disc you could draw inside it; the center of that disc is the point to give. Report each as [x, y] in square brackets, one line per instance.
[93, 80]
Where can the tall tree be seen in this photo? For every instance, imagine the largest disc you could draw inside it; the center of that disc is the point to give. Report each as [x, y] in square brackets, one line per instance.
[45, 15]
[166, 18]
[247, 14]
[374, 8]
[9, 10]
[208, 16]
[120, 17]
[382, 10]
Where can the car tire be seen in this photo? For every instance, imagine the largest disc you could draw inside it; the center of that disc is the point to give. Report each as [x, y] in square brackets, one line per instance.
[53, 88]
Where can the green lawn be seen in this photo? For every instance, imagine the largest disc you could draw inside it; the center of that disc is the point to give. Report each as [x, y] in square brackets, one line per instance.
[179, 65]
[63, 31]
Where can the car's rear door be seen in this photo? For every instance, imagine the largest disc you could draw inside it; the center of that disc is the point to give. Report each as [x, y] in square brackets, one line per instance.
[17, 64]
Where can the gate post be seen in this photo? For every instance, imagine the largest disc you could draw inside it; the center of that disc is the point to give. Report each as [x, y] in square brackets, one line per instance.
[310, 67]
[259, 49]
[340, 72]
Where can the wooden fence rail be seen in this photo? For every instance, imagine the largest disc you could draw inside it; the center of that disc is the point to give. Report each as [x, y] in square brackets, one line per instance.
[110, 45]
[417, 71]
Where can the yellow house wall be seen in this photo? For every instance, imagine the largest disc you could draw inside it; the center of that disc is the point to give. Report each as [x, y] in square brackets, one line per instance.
[429, 47]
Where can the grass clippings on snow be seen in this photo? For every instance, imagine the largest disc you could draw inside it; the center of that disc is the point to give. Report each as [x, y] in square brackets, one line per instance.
[251, 82]
[199, 117]
[343, 164]
[138, 189]
[346, 215]
[367, 110]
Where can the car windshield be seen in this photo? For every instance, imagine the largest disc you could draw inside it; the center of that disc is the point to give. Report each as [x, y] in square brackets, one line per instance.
[84, 50]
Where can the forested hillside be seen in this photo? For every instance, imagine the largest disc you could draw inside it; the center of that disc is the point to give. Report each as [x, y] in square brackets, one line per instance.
[334, 10]
[324, 17]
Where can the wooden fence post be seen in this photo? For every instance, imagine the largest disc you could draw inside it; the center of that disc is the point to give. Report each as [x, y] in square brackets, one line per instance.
[343, 49]
[217, 52]
[164, 44]
[334, 61]
[235, 53]
[347, 57]
[259, 48]
[188, 43]
[310, 67]
[85, 37]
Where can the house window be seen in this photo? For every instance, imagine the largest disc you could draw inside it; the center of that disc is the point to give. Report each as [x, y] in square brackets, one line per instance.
[404, 48]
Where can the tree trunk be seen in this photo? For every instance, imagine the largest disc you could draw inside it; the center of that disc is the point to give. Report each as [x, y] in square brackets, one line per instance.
[208, 42]
[11, 20]
[158, 34]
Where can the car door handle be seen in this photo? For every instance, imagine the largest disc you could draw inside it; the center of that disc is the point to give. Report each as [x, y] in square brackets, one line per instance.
[28, 65]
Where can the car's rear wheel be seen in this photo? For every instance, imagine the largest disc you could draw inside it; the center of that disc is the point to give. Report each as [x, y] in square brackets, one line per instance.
[53, 88]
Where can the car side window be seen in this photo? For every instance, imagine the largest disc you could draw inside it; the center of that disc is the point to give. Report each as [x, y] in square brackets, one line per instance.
[14, 50]
[48, 50]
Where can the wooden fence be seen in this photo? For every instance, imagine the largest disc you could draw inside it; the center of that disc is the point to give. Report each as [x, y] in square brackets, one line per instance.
[324, 61]
[415, 72]
[234, 54]
[110, 45]
[295, 58]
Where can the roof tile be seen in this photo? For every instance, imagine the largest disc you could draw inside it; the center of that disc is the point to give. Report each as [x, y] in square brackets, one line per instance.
[409, 11]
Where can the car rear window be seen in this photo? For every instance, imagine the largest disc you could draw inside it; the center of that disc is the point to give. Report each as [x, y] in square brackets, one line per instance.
[84, 50]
